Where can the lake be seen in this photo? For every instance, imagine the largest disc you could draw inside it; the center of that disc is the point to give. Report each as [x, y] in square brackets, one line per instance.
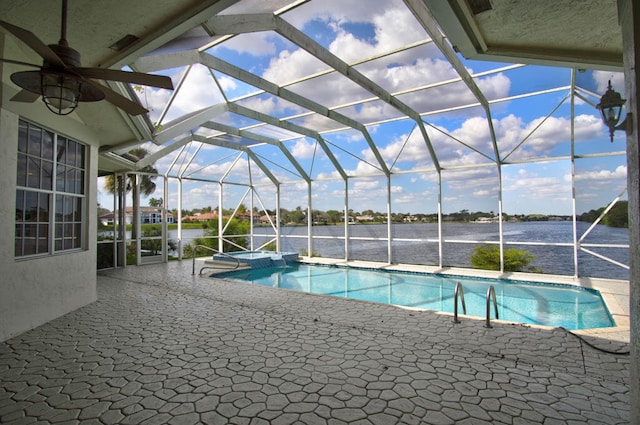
[417, 244]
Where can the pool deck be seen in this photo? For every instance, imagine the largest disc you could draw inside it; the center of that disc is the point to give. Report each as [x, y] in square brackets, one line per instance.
[163, 346]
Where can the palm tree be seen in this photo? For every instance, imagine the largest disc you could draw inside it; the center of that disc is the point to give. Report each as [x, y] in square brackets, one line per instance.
[147, 184]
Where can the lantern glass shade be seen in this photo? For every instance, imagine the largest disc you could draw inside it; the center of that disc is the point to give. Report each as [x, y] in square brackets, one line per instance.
[611, 115]
[60, 93]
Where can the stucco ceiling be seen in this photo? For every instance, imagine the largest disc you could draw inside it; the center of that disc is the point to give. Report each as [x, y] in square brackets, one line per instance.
[580, 33]
[94, 26]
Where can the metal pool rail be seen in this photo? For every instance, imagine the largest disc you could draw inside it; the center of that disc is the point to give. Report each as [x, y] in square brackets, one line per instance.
[459, 292]
[491, 293]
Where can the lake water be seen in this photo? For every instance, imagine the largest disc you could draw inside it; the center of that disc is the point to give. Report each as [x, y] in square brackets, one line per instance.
[423, 249]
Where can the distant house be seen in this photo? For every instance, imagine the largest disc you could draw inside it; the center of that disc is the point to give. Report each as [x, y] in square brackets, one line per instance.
[487, 220]
[213, 215]
[365, 218]
[248, 215]
[201, 217]
[148, 215]
[265, 219]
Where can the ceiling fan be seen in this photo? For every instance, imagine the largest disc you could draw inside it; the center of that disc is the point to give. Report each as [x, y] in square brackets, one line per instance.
[62, 82]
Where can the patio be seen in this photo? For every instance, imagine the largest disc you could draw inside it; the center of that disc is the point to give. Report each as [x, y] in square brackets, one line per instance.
[163, 346]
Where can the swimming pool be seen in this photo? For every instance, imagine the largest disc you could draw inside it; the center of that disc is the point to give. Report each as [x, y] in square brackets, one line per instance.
[556, 305]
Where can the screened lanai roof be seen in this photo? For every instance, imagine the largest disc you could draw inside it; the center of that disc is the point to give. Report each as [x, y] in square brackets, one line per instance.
[284, 91]
[311, 91]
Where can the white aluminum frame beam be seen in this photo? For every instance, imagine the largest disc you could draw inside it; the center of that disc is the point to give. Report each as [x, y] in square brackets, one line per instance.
[261, 139]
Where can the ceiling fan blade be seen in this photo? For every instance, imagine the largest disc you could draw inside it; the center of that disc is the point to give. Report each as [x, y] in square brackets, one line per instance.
[28, 38]
[126, 77]
[130, 107]
[19, 63]
[25, 96]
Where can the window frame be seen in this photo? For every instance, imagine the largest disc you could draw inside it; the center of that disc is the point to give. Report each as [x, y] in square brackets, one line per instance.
[58, 224]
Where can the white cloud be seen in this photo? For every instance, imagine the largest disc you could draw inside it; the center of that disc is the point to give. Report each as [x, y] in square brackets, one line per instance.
[601, 175]
[303, 149]
[543, 134]
[366, 185]
[494, 86]
[483, 193]
[485, 178]
[602, 79]
[587, 127]
[349, 48]
[289, 66]
[364, 168]
[227, 84]
[388, 35]
[200, 196]
[154, 100]
[339, 12]
[255, 44]
[266, 105]
[413, 151]
[329, 175]
[531, 187]
[198, 91]
[475, 132]
[451, 95]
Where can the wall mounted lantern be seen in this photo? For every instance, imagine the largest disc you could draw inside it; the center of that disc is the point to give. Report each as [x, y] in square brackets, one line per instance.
[610, 107]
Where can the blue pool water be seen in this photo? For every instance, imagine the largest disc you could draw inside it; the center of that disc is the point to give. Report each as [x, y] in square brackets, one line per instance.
[522, 302]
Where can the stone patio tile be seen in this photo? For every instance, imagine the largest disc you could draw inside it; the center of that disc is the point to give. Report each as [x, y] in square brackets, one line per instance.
[168, 347]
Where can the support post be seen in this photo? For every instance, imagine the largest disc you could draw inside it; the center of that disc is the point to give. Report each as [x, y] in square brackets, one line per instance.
[440, 235]
[136, 223]
[180, 219]
[500, 223]
[165, 215]
[629, 17]
[278, 220]
[389, 235]
[220, 219]
[346, 219]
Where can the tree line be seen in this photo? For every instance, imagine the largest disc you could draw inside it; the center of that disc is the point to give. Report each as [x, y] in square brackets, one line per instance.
[299, 216]
[617, 216]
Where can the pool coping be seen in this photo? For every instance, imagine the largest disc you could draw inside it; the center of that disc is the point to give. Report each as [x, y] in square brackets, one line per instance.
[614, 292]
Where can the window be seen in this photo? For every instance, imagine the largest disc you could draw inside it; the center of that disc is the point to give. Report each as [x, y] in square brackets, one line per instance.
[50, 192]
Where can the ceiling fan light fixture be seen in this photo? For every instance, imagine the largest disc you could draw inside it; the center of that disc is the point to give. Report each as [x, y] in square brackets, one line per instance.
[62, 82]
[61, 91]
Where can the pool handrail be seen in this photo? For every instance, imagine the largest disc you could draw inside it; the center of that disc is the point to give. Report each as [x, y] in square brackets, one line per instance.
[193, 263]
[491, 293]
[458, 291]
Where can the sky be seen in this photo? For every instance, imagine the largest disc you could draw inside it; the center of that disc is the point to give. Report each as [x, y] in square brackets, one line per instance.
[400, 60]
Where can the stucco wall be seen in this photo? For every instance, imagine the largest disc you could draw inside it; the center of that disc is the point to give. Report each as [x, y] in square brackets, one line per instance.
[35, 291]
